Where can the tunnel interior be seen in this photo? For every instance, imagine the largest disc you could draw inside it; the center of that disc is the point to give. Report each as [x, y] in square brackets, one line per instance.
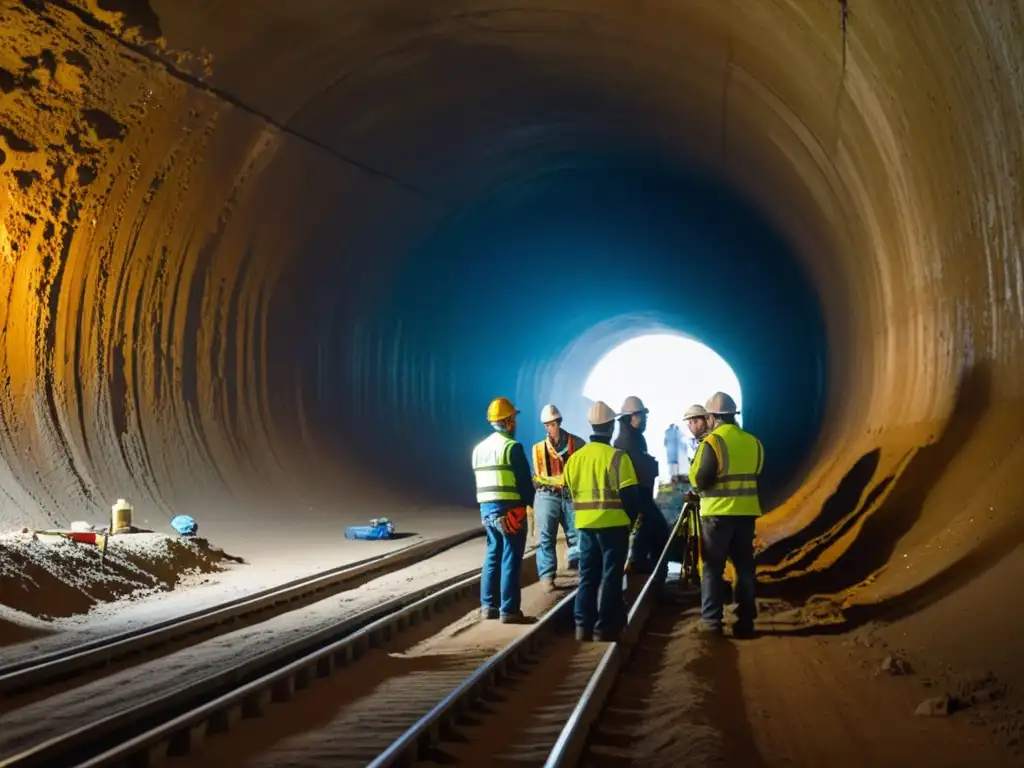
[492, 303]
[263, 255]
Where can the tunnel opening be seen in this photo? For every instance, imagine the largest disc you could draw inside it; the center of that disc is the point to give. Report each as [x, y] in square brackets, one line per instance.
[669, 372]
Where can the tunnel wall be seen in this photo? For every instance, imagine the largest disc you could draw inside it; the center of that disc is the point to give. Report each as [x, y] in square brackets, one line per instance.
[151, 333]
[883, 138]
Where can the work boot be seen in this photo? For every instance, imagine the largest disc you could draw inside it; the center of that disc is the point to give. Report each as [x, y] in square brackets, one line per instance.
[488, 613]
[514, 618]
[584, 635]
[608, 636]
[744, 631]
[549, 585]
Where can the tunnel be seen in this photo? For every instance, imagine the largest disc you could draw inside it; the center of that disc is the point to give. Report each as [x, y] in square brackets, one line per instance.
[267, 263]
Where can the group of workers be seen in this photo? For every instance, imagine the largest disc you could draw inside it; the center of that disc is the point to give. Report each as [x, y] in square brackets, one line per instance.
[601, 493]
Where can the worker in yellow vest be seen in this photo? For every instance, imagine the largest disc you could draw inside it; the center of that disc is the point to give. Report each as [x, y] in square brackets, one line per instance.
[725, 472]
[504, 488]
[551, 505]
[607, 500]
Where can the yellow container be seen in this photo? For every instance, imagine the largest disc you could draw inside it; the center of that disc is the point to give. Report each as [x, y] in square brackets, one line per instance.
[121, 517]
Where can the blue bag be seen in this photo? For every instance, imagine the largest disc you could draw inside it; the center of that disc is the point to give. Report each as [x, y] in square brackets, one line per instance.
[185, 525]
[378, 529]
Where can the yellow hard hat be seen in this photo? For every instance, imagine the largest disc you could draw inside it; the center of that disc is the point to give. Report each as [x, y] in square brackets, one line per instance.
[500, 409]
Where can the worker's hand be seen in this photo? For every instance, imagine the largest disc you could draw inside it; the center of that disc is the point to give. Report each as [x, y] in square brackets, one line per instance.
[514, 520]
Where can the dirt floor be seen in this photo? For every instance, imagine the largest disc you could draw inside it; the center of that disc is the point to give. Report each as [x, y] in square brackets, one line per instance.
[48, 577]
[789, 700]
[54, 592]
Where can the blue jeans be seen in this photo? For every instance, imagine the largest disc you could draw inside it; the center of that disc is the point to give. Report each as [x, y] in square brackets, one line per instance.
[650, 538]
[550, 511]
[502, 572]
[602, 565]
[724, 537]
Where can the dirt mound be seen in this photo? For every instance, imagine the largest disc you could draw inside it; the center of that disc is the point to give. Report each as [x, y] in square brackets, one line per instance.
[60, 578]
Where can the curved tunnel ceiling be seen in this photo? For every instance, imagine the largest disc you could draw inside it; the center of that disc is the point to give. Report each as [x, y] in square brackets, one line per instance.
[243, 241]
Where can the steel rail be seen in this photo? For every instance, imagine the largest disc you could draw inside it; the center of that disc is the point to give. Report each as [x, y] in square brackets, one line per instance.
[427, 732]
[174, 723]
[42, 670]
[416, 743]
[573, 738]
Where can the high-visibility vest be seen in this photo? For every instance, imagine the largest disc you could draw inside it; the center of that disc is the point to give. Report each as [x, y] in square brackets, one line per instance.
[548, 465]
[740, 458]
[595, 474]
[492, 465]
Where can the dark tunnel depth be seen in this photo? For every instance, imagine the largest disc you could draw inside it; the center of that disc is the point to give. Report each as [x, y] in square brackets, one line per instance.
[496, 297]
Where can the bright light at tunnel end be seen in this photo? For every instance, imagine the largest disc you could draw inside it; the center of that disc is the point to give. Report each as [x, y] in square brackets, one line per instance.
[669, 372]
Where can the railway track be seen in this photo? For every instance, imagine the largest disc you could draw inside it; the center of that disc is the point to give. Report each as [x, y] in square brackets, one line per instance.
[533, 703]
[425, 680]
[23, 679]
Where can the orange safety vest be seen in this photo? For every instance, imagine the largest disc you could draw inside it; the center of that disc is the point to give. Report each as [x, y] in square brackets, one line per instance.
[548, 465]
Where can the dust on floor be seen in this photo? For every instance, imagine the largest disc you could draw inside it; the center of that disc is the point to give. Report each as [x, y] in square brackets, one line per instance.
[787, 699]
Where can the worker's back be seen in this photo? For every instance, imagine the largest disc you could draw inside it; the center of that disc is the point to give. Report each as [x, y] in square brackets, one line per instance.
[740, 459]
[595, 474]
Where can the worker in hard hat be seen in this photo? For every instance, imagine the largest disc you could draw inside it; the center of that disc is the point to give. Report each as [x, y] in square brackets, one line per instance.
[696, 418]
[725, 472]
[604, 488]
[504, 488]
[552, 505]
[651, 530]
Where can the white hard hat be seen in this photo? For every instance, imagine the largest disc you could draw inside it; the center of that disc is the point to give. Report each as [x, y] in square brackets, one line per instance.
[631, 405]
[720, 404]
[600, 413]
[549, 413]
[695, 412]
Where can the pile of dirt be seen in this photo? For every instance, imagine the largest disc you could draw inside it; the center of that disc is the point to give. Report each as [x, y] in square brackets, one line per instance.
[58, 578]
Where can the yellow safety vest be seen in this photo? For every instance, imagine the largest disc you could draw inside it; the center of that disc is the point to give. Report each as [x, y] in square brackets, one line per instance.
[594, 475]
[740, 457]
[545, 461]
[492, 465]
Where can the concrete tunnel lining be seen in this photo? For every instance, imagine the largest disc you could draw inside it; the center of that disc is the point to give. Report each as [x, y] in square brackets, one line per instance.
[879, 139]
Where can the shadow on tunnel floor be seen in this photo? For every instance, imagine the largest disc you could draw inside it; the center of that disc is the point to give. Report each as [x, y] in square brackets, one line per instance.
[898, 513]
[718, 668]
